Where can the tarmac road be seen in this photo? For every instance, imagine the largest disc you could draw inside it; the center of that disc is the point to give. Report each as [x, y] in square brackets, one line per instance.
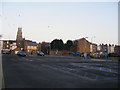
[42, 72]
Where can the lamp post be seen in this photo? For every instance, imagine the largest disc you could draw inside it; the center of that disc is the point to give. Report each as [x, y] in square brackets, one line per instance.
[92, 38]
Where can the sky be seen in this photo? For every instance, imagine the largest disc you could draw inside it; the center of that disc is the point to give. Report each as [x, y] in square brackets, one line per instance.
[45, 21]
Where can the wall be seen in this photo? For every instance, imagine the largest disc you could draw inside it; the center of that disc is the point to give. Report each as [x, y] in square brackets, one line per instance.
[83, 45]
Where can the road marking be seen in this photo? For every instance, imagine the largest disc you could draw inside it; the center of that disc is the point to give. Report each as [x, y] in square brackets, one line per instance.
[81, 77]
[27, 59]
[86, 67]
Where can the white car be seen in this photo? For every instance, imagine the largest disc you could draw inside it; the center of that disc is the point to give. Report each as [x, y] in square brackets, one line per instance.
[40, 53]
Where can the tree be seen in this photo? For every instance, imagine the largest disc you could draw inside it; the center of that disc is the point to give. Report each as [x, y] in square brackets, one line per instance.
[68, 45]
[57, 44]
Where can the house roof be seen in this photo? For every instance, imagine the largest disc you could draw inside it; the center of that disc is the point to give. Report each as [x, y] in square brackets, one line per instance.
[31, 43]
[10, 41]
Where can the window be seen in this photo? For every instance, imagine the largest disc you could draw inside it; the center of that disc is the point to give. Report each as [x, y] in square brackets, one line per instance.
[7, 45]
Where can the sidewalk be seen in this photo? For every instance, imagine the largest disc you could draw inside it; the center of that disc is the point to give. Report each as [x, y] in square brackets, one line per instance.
[1, 72]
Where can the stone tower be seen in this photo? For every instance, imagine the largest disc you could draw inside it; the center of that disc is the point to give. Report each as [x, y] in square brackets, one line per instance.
[19, 39]
[19, 34]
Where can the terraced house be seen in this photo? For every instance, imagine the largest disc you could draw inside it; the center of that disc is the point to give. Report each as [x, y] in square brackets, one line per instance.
[30, 47]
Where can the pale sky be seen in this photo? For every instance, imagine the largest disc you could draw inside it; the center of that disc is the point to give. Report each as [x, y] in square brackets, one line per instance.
[45, 21]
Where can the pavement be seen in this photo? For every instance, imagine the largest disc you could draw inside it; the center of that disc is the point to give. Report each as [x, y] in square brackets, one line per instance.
[35, 71]
[1, 72]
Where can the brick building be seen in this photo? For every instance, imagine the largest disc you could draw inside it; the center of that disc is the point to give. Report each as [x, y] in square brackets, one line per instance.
[117, 49]
[45, 47]
[39, 46]
[82, 45]
[30, 47]
[9, 45]
[6, 44]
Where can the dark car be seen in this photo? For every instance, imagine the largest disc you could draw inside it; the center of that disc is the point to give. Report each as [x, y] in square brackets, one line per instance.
[21, 53]
[77, 54]
[40, 53]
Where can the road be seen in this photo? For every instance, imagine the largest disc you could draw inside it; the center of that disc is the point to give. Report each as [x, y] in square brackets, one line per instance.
[58, 72]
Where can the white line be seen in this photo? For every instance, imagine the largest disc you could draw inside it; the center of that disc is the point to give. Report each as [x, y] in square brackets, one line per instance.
[27, 59]
[81, 77]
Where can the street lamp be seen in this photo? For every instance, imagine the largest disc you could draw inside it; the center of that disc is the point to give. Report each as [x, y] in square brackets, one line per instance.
[92, 38]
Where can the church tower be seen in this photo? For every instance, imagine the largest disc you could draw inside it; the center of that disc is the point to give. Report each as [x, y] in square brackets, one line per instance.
[19, 34]
[19, 39]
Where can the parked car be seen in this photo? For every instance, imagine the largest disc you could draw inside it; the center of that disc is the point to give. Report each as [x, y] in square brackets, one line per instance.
[76, 54]
[21, 53]
[40, 53]
[5, 52]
